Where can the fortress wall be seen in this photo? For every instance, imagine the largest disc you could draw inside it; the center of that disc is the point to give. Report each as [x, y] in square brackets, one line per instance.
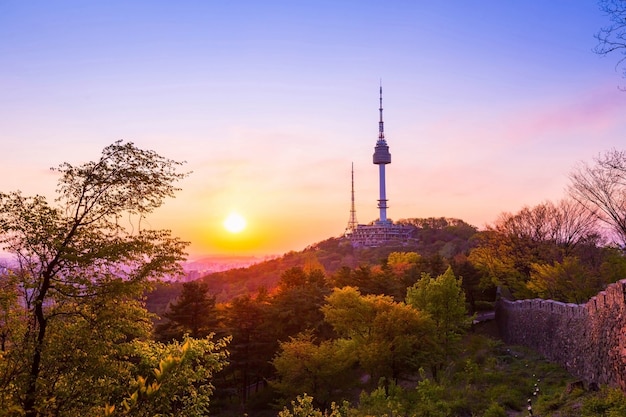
[589, 339]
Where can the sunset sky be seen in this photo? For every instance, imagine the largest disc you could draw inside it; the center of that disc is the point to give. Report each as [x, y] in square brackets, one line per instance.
[488, 105]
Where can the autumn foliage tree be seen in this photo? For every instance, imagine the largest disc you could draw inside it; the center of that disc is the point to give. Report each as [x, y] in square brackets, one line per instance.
[543, 234]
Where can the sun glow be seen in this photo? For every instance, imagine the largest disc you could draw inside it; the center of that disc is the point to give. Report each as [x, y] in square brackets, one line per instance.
[234, 223]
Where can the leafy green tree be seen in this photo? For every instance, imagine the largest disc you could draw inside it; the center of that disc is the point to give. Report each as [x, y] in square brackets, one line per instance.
[471, 280]
[400, 261]
[13, 319]
[252, 346]
[173, 380]
[12, 314]
[303, 406]
[342, 277]
[193, 313]
[443, 299]
[569, 281]
[295, 305]
[377, 280]
[322, 370]
[428, 399]
[495, 259]
[82, 264]
[613, 266]
[544, 234]
[389, 339]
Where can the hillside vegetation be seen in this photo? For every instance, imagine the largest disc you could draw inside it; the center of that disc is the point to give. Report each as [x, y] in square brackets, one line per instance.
[366, 325]
[435, 239]
[329, 330]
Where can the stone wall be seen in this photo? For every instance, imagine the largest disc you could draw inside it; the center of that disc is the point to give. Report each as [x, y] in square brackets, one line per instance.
[589, 340]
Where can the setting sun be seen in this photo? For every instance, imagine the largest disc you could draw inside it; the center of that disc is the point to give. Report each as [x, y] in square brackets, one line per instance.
[234, 223]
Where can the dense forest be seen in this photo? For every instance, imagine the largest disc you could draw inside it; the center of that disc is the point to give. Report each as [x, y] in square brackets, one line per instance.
[87, 327]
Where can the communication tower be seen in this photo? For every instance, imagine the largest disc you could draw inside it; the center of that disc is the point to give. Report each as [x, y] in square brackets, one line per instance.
[382, 231]
[381, 158]
[352, 223]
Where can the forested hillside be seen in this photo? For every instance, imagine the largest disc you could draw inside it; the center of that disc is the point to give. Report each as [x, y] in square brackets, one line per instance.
[334, 320]
[376, 331]
[436, 239]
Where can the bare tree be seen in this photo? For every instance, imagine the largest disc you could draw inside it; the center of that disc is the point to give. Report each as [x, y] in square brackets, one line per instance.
[566, 224]
[572, 224]
[601, 188]
[612, 38]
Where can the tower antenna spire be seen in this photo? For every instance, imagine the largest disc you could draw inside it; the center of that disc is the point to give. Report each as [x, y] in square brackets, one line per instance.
[381, 125]
[352, 223]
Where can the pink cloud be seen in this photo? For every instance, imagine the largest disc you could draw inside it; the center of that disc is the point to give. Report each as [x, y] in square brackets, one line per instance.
[595, 112]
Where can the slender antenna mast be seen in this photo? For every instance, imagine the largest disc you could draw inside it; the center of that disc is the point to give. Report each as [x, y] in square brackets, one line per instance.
[381, 125]
[352, 223]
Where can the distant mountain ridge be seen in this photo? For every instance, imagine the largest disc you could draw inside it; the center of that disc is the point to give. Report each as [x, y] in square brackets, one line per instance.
[205, 265]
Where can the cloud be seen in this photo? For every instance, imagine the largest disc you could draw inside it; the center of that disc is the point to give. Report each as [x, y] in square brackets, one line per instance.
[590, 113]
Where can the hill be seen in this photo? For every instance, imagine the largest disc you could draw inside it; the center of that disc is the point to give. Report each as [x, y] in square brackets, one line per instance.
[435, 239]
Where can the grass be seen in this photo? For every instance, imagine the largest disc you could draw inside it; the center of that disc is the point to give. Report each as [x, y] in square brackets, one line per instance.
[493, 376]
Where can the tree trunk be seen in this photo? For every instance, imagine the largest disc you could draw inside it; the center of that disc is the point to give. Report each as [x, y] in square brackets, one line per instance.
[30, 398]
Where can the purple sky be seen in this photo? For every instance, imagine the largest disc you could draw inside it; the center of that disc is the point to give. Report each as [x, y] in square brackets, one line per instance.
[488, 106]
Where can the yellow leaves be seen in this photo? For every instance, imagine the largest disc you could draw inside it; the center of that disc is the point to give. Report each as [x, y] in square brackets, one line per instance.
[167, 364]
[108, 410]
[158, 372]
[134, 397]
[152, 389]
[185, 347]
[177, 371]
[141, 381]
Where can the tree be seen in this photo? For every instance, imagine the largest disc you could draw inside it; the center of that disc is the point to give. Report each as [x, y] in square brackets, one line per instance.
[11, 312]
[498, 261]
[320, 369]
[251, 347]
[82, 264]
[193, 313]
[573, 225]
[545, 233]
[295, 307]
[12, 326]
[471, 279]
[389, 339]
[444, 301]
[568, 281]
[612, 38]
[173, 380]
[302, 406]
[601, 188]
